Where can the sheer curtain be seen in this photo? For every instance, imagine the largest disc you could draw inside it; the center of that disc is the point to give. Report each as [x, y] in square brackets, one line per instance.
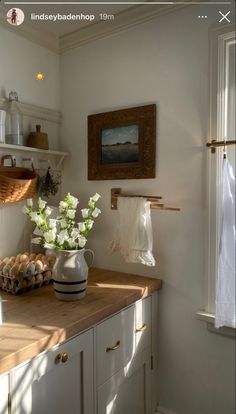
[225, 286]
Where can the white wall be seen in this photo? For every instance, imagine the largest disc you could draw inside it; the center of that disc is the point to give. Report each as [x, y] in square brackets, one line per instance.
[20, 60]
[164, 62]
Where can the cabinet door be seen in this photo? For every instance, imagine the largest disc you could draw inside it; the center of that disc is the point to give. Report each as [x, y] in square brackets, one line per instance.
[129, 390]
[57, 382]
[4, 394]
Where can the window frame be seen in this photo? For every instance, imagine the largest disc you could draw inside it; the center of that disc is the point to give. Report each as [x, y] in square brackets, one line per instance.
[219, 39]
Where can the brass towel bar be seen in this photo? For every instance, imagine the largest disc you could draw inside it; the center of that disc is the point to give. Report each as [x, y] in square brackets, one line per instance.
[155, 203]
[214, 144]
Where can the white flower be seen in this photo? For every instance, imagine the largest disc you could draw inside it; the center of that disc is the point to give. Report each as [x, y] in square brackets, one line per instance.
[75, 233]
[36, 240]
[85, 212]
[49, 246]
[62, 232]
[72, 243]
[89, 224]
[63, 223]
[48, 211]
[52, 223]
[82, 241]
[96, 197]
[74, 201]
[42, 203]
[49, 236]
[62, 206]
[36, 218]
[81, 227]
[62, 236]
[39, 221]
[96, 212]
[33, 215]
[29, 202]
[25, 210]
[70, 214]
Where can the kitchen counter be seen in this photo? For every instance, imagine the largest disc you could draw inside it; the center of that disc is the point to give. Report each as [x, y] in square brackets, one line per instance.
[36, 321]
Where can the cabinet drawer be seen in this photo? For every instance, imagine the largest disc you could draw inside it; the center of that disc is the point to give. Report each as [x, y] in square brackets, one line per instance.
[142, 324]
[115, 343]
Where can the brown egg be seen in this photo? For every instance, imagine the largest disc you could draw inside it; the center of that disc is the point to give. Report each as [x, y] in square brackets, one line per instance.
[26, 253]
[39, 256]
[22, 268]
[32, 257]
[11, 262]
[5, 260]
[39, 266]
[2, 264]
[23, 284]
[6, 270]
[14, 271]
[39, 279]
[32, 280]
[24, 258]
[18, 257]
[47, 277]
[30, 268]
[45, 262]
[6, 283]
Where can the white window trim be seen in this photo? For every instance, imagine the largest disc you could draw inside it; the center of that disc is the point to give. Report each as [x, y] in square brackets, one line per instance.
[219, 42]
[209, 318]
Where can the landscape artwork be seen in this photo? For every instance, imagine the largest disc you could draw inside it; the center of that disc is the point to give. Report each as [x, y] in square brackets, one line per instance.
[120, 145]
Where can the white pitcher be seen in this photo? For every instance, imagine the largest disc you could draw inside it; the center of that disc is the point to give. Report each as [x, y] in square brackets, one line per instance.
[70, 274]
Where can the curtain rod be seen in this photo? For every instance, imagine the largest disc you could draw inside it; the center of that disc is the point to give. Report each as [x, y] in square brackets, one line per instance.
[214, 144]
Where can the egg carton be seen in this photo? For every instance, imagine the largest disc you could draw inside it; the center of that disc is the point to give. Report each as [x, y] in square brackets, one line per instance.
[25, 272]
[23, 283]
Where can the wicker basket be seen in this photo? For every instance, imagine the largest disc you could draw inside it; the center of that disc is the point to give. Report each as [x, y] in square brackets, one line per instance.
[16, 183]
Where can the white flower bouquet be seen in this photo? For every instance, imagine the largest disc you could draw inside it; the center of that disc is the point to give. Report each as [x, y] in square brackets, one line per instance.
[62, 233]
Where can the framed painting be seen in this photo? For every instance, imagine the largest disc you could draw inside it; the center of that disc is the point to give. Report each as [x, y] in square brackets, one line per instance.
[122, 144]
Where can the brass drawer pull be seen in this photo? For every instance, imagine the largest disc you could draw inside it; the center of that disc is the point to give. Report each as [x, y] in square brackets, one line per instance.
[113, 348]
[61, 357]
[142, 329]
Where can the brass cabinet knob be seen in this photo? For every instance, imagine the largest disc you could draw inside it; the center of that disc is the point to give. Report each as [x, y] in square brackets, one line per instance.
[61, 357]
[141, 329]
[113, 348]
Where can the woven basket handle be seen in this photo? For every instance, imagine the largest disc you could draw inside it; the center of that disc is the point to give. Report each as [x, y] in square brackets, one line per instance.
[8, 157]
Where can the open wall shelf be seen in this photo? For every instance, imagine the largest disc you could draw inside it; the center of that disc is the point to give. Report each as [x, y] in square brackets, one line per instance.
[60, 155]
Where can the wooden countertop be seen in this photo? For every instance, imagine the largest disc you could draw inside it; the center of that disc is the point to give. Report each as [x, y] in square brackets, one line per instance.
[36, 321]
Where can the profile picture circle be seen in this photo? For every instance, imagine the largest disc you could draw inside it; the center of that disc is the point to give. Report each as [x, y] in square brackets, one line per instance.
[15, 16]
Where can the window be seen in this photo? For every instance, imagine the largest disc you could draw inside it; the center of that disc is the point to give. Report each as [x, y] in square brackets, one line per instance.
[221, 127]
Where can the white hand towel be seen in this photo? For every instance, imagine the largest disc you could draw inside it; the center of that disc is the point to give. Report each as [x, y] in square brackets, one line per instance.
[134, 233]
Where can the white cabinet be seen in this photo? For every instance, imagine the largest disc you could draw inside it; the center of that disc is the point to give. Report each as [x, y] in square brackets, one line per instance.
[59, 381]
[129, 390]
[123, 355]
[106, 370]
[4, 383]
